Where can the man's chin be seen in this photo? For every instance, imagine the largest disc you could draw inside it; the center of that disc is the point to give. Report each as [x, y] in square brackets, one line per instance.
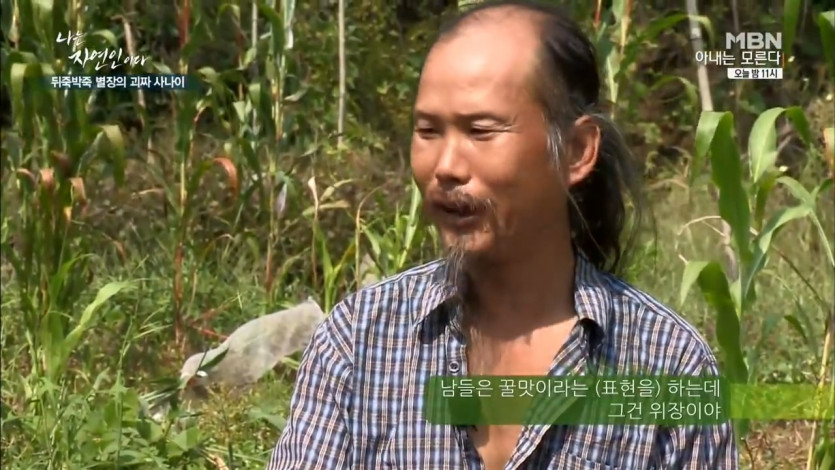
[463, 254]
[467, 245]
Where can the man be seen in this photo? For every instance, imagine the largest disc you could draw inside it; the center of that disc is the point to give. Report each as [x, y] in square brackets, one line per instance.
[524, 180]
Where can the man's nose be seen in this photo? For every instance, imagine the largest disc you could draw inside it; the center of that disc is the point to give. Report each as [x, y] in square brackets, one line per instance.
[452, 168]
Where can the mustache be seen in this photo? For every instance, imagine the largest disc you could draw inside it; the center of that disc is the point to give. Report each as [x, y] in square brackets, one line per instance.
[461, 200]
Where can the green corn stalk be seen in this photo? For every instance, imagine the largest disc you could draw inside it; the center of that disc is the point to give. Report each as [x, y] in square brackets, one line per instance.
[619, 46]
[826, 26]
[821, 444]
[54, 149]
[395, 243]
[319, 252]
[259, 114]
[55, 152]
[188, 107]
[742, 202]
[281, 33]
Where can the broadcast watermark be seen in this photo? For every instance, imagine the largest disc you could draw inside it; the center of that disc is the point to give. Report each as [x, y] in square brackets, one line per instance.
[108, 58]
[112, 67]
[122, 82]
[748, 56]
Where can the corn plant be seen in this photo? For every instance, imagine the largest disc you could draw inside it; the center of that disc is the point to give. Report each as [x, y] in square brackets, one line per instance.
[256, 127]
[395, 243]
[55, 151]
[619, 45]
[742, 204]
[822, 445]
[332, 268]
[826, 25]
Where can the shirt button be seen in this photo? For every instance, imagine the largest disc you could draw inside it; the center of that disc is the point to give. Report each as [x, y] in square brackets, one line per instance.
[454, 367]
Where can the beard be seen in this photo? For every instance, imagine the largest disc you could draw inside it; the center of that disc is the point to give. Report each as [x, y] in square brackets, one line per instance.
[459, 258]
[457, 264]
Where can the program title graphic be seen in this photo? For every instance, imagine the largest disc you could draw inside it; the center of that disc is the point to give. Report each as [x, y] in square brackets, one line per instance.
[114, 60]
[748, 56]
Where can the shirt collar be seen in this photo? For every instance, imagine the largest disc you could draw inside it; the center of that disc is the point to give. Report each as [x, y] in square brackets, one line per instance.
[592, 295]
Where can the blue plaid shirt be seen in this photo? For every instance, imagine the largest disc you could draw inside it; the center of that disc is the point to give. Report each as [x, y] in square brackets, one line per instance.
[359, 393]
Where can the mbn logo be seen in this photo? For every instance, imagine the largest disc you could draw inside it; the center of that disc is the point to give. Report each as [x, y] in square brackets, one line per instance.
[754, 41]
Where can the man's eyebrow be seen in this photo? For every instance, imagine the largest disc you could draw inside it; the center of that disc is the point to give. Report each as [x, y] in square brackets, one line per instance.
[466, 117]
[418, 114]
[484, 116]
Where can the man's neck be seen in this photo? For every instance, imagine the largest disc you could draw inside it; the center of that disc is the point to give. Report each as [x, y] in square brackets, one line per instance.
[526, 291]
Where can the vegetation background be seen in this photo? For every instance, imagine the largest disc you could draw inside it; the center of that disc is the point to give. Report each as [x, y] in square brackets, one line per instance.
[140, 227]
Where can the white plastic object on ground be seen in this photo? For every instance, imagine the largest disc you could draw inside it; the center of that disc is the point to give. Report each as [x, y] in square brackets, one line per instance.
[255, 348]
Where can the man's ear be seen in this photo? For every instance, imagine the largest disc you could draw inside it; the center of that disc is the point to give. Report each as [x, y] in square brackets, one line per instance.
[585, 142]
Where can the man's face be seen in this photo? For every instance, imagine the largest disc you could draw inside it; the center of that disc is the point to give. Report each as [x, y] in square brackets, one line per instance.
[479, 149]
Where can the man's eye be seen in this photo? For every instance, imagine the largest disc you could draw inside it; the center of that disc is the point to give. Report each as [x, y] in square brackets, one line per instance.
[425, 131]
[481, 132]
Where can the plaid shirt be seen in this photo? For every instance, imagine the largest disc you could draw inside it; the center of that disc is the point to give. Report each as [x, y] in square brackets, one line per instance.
[359, 394]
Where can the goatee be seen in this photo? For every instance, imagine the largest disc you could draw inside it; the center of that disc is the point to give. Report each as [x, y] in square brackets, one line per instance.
[456, 267]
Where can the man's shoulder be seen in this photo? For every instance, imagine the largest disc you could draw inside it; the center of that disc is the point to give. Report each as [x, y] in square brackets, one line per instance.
[419, 276]
[399, 294]
[662, 333]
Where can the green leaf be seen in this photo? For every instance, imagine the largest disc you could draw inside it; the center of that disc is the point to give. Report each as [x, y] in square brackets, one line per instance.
[463, 5]
[776, 222]
[663, 24]
[236, 10]
[810, 201]
[791, 13]
[256, 92]
[705, 130]
[754, 352]
[690, 276]
[802, 324]
[762, 143]
[215, 360]
[716, 291]
[28, 80]
[827, 453]
[373, 239]
[660, 25]
[85, 322]
[276, 28]
[117, 150]
[800, 123]
[763, 189]
[826, 24]
[188, 439]
[714, 137]
[762, 246]
[288, 7]
[52, 338]
[108, 36]
[211, 76]
[795, 323]
[276, 421]
[150, 430]
[797, 190]
[690, 89]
